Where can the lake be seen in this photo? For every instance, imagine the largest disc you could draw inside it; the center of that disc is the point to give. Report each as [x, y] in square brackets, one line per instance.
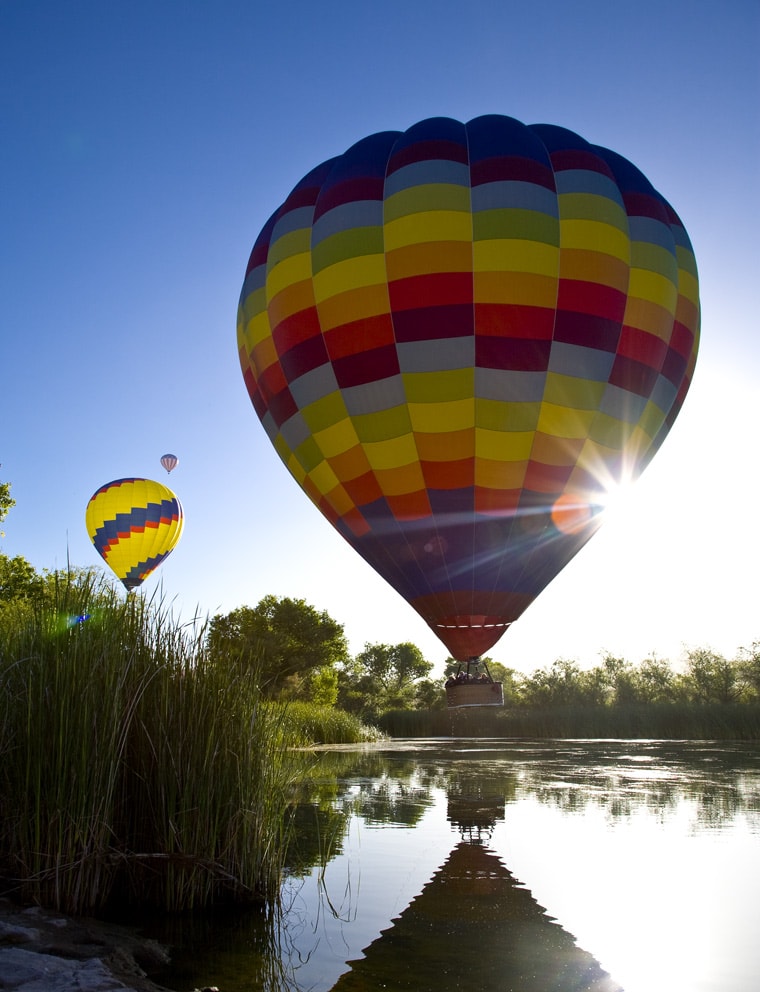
[509, 865]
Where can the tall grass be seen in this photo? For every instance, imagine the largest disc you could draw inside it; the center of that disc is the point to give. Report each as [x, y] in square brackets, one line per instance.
[667, 721]
[313, 724]
[129, 765]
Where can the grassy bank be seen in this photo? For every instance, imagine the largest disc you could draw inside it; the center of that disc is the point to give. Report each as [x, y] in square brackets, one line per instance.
[130, 767]
[313, 724]
[667, 721]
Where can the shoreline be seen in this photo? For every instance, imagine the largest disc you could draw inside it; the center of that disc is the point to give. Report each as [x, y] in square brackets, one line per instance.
[44, 950]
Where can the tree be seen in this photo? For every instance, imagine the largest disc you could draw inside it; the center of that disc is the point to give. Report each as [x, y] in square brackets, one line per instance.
[382, 677]
[562, 684]
[617, 680]
[711, 678]
[289, 642]
[656, 681]
[18, 578]
[748, 664]
[7, 502]
[429, 695]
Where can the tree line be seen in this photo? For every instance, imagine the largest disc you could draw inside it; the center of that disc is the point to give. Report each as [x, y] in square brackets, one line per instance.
[301, 653]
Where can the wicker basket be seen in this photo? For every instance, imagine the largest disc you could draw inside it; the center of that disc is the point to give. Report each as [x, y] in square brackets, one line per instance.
[475, 694]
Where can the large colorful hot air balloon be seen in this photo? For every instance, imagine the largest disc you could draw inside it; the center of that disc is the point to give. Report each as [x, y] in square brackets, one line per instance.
[134, 524]
[169, 462]
[459, 338]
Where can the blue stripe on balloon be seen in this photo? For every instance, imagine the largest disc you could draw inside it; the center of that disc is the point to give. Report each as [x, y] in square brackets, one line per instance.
[135, 575]
[138, 517]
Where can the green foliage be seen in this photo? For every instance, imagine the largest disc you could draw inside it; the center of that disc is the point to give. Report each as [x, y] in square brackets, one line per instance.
[708, 678]
[322, 687]
[18, 579]
[381, 677]
[711, 678]
[428, 695]
[748, 665]
[656, 682]
[562, 684]
[615, 685]
[7, 502]
[309, 723]
[291, 644]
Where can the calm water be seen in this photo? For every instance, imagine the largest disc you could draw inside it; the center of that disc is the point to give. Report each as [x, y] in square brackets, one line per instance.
[517, 866]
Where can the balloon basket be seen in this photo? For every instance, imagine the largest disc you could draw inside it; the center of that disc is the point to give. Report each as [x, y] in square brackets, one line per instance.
[471, 687]
[474, 694]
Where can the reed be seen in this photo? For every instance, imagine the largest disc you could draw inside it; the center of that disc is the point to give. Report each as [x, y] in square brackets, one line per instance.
[666, 721]
[131, 767]
[312, 724]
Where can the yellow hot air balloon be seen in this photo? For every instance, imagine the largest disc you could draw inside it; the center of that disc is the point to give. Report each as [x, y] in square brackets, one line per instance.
[134, 524]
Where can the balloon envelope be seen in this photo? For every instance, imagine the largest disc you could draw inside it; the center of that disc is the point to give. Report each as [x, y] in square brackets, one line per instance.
[169, 462]
[134, 524]
[458, 339]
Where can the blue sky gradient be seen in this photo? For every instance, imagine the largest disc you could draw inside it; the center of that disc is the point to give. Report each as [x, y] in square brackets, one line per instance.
[144, 146]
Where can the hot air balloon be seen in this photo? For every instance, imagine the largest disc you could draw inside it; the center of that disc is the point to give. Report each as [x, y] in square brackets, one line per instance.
[134, 524]
[169, 462]
[459, 338]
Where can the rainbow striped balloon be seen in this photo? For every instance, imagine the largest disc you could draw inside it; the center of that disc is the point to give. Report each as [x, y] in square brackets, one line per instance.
[458, 339]
[134, 524]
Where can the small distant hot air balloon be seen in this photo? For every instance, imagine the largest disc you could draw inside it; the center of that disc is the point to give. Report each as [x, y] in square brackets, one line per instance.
[169, 462]
[134, 524]
[459, 338]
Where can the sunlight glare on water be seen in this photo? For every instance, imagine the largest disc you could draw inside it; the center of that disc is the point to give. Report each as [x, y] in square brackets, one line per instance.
[665, 907]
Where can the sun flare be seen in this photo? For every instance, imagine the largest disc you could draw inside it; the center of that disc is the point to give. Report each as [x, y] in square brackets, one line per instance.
[618, 502]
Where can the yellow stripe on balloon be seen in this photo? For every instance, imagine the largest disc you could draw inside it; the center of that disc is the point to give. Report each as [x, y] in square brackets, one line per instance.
[350, 273]
[502, 255]
[295, 268]
[442, 417]
[392, 453]
[593, 236]
[443, 225]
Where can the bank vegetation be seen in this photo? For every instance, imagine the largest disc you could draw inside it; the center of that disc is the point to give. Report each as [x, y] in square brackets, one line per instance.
[133, 768]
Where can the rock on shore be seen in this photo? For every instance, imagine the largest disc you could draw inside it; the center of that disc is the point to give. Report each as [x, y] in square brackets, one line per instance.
[43, 951]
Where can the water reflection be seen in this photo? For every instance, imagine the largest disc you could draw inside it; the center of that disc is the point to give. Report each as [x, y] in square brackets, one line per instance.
[618, 776]
[474, 927]
[428, 864]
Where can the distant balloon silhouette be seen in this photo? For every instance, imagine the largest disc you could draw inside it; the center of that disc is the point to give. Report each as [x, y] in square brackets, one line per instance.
[459, 338]
[134, 524]
[169, 462]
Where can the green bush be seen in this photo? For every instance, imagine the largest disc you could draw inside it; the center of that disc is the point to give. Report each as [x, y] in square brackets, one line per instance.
[309, 723]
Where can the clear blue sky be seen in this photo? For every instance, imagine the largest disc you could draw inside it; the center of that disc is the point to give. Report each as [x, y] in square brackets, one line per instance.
[144, 145]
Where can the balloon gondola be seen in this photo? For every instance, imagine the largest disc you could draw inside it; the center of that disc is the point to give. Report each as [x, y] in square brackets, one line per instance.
[459, 338]
[134, 524]
[473, 685]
